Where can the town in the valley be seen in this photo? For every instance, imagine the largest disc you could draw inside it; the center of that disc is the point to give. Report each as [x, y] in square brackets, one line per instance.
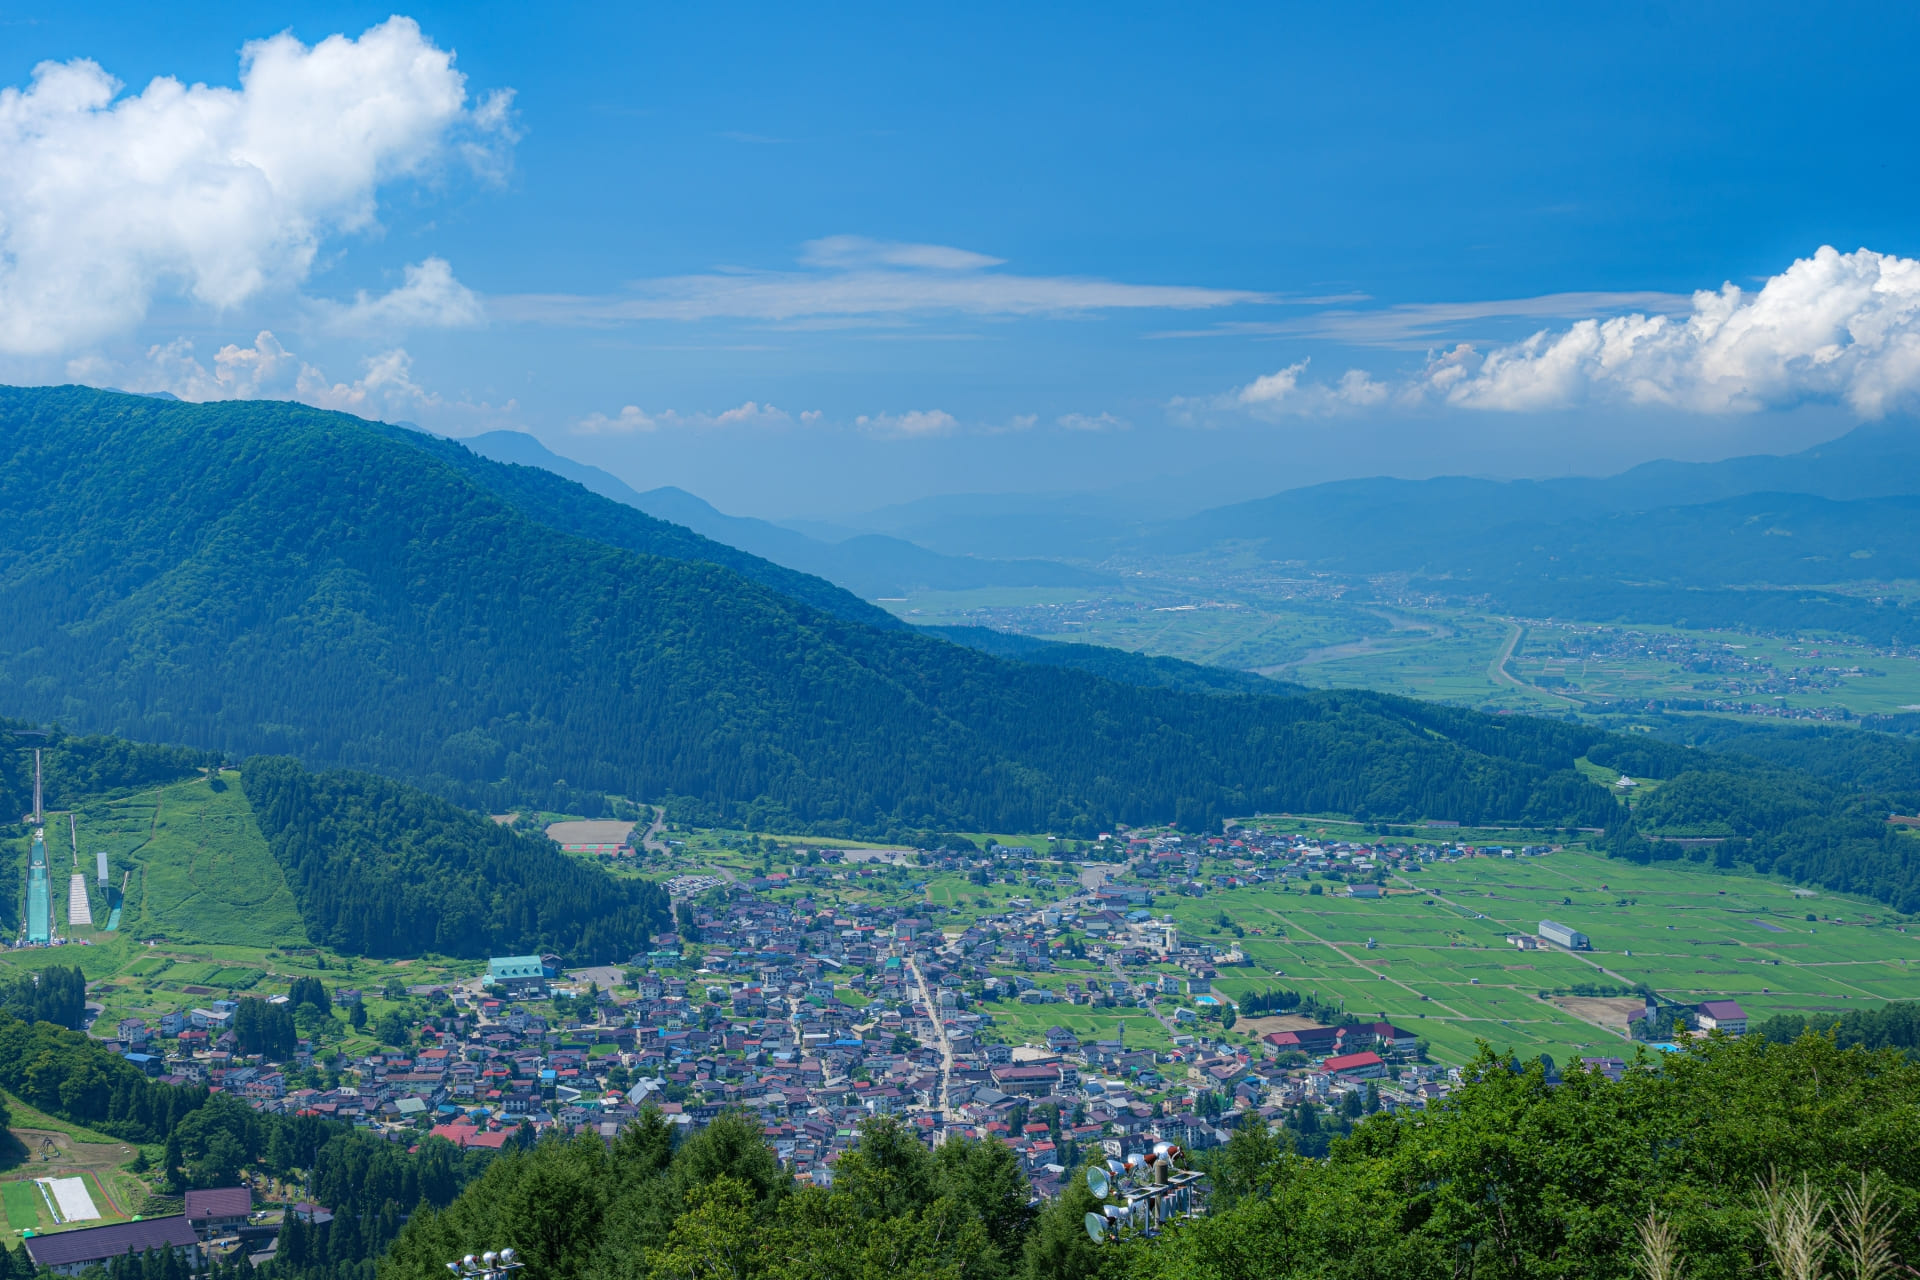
[782, 993]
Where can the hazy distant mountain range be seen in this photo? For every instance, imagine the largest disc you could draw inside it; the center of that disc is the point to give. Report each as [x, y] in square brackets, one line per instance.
[1763, 541]
[870, 565]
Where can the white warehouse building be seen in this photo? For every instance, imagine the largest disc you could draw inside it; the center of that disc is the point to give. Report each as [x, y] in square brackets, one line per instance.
[1571, 939]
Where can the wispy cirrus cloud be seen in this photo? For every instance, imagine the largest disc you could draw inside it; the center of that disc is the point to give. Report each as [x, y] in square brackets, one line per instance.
[1416, 326]
[1091, 422]
[632, 420]
[852, 277]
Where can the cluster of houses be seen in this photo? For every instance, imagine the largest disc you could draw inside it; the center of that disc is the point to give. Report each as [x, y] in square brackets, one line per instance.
[815, 1015]
[1190, 865]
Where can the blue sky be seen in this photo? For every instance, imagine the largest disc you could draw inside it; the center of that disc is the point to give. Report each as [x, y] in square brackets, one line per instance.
[806, 262]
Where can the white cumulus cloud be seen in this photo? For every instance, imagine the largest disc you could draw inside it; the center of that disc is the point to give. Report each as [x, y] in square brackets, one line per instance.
[428, 297]
[1836, 326]
[109, 201]
[915, 423]
[1288, 393]
[267, 370]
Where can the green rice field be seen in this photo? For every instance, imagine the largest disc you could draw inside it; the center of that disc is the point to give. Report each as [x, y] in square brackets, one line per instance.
[1441, 965]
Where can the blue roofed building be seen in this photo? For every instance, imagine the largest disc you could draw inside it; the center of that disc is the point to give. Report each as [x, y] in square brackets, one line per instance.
[517, 976]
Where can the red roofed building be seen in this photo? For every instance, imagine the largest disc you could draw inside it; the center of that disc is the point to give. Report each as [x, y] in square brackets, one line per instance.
[1304, 1039]
[1356, 1066]
[467, 1135]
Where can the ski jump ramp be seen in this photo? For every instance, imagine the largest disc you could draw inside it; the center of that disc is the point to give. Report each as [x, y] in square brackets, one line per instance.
[79, 905]
[39, 894]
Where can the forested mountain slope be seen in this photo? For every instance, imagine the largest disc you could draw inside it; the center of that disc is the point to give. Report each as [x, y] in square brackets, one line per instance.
[267, 578]
[1115, 664]
[379, 868]
[1810, 803]
[564, 504]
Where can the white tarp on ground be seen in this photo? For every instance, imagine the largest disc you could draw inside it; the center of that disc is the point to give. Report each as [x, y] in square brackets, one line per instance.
[70, 1198]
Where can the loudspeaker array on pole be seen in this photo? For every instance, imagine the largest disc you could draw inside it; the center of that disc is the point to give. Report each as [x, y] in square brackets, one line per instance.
[1143, 1194]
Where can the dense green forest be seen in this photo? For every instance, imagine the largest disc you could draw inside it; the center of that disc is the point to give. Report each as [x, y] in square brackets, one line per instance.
[1808, 804]
[1840, 755]
[382, 869]
[268, 1029]
[77, 767]
[265, 578]
[1891, 1026]
[1115, 664]
[56, 994]
[1515, 1175]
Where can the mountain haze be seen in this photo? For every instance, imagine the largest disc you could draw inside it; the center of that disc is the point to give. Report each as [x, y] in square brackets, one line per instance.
[872, 566]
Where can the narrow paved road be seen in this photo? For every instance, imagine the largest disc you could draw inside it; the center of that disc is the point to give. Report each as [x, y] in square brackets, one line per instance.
[650, 841]
[1498, 673]
[939, 1034]
[1294, 926]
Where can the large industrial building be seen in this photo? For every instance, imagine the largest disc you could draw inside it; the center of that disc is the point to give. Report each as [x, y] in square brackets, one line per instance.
[1571, 939]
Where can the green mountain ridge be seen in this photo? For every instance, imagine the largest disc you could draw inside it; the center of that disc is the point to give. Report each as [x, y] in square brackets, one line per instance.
[263, 578]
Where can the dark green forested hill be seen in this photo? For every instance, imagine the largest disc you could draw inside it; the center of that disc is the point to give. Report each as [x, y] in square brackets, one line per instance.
[262, 578]
[568, 507]
[77, 766]
[1807, 802]
[379, 868]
